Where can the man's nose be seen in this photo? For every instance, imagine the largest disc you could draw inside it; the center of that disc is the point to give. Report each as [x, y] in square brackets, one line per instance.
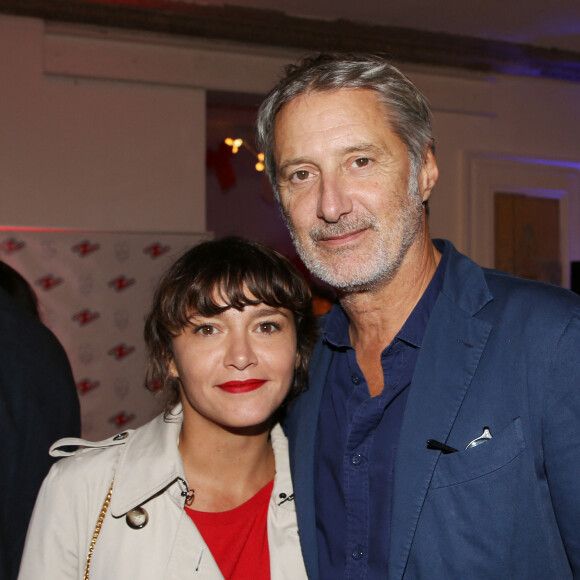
[240, 353]
[333, 200]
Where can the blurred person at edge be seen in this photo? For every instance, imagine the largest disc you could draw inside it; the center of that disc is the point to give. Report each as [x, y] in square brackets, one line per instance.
[438, 438]
[38, 405]
[203, 490]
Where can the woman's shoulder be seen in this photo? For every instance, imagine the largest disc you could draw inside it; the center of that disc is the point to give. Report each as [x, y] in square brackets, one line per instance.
[91, 462]
[79, 456]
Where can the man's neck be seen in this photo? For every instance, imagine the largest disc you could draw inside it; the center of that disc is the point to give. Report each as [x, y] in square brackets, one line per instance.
[376, 316]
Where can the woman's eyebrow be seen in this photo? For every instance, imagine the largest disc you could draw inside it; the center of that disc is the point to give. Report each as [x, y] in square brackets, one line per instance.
[270, 311]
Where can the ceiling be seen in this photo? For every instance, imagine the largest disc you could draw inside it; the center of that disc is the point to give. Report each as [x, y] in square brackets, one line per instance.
[545, 23]
[541, 38]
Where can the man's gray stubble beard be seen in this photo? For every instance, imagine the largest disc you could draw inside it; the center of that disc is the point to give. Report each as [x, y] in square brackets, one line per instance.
[378, 266]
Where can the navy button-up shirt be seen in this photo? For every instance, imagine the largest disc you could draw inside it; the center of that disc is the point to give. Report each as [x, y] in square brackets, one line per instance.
[356, 444]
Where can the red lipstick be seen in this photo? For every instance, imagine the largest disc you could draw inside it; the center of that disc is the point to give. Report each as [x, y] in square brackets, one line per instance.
[241, 386]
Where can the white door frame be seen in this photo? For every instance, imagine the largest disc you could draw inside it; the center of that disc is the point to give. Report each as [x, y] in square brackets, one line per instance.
[488, 174]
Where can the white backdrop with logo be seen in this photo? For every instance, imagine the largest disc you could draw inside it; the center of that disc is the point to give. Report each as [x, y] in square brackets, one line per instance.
[94, 290]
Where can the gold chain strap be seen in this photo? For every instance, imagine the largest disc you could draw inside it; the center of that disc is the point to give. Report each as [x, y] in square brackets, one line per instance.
[98, 529]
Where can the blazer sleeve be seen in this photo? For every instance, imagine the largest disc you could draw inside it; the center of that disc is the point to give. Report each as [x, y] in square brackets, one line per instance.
[561, 437]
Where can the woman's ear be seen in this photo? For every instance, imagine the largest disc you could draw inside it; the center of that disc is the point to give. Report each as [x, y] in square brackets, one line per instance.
[172, 368]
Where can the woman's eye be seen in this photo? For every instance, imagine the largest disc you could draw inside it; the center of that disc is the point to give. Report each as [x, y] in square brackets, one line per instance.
[205, 330]
[362, 162]
[268, 327]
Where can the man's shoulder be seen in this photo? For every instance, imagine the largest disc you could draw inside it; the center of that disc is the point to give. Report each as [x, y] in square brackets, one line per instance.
[529, 293]
[507, 290]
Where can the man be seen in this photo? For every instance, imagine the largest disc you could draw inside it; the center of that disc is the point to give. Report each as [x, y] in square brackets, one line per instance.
[438, 439]
[38, 405]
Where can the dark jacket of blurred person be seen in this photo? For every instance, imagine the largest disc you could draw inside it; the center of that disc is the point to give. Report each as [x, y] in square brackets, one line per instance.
[38, 405]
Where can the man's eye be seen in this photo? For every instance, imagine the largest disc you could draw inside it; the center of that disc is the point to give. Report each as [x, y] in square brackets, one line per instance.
[300, 175]
[362, 162]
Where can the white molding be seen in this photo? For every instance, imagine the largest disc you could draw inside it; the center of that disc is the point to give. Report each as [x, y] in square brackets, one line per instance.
[86, 52]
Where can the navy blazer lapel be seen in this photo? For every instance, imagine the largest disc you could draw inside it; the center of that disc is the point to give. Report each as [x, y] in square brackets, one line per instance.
[451, 350]
[302, 426]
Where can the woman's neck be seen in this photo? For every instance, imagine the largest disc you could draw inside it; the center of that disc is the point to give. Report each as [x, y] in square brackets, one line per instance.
[225, 467]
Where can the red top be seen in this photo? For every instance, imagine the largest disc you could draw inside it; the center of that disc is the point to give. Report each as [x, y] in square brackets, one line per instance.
[238, 538]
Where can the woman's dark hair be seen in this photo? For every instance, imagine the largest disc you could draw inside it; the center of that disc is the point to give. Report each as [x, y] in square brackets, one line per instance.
[239, 273]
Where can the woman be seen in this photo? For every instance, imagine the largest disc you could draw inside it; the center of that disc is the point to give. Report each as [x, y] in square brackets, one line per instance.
[204, 490]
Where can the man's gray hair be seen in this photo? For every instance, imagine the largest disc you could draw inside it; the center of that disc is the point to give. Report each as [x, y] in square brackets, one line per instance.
[408, 113]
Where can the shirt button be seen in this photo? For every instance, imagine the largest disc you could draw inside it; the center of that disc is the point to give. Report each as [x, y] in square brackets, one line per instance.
[355, 379]
[357, 553]
[357, 459]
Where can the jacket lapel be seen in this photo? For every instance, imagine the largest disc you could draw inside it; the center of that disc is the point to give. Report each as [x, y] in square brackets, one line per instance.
[450, 354]
[136, 480]
[302, 424]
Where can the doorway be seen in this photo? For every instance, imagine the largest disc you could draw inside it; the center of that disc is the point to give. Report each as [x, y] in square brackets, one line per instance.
[527, 236]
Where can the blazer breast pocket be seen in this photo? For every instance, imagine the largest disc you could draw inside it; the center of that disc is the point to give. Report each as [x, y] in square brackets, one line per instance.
[489, 457]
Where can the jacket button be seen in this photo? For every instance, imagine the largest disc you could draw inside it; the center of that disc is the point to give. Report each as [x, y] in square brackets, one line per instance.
[358, 553]
[121, 436]
[137, 518]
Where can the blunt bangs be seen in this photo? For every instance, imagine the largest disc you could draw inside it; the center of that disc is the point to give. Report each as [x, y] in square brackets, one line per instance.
[210, 279]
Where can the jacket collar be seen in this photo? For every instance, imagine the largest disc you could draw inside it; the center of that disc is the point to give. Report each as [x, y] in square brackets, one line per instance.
[149, 462]
[464, 281]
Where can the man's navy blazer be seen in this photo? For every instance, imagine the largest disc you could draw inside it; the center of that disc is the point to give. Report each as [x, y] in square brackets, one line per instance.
[499, 352]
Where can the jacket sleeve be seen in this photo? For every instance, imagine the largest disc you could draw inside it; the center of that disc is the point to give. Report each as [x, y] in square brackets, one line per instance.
[62, 524]
[561, 437]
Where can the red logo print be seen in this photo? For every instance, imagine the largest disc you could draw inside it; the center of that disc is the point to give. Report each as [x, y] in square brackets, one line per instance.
[48, 282]
[155, 386]
[155, 250]
[121, 418]
[120, 351]
[11, 245]
[86, 385]
[121, 283]
[85, 248]
[85, 316]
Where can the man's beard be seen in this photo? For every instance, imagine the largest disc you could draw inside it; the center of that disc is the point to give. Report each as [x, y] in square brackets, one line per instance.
[356, 269]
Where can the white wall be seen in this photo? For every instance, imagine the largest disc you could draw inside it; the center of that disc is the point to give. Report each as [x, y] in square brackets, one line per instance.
[106, 130]
[83, 151]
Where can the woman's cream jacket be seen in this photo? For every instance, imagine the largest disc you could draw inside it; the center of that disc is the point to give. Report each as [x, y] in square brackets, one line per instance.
[148, 472]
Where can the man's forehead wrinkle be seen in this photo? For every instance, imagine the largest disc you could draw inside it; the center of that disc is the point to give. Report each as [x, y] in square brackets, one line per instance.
[316, 129]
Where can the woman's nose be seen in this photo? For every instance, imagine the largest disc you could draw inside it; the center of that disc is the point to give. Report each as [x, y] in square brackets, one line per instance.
[240, 352]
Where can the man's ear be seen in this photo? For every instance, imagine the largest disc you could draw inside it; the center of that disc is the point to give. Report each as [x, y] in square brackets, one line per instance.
[428, 175]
